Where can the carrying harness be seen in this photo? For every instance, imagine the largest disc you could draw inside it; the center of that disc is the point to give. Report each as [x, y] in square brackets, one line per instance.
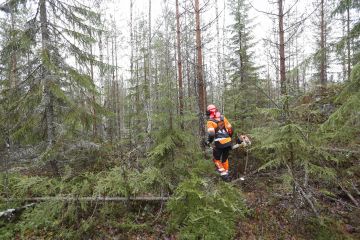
[220, 130]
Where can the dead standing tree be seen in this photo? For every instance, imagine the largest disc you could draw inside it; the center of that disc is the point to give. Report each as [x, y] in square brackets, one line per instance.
[285, 34]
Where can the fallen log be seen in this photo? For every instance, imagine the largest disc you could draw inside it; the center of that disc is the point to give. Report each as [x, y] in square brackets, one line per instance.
[340, 150]
[89, 199]
[11, 213]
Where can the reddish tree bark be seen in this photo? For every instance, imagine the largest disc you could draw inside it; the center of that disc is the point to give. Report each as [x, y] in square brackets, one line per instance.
[199, 71]
[179, 63]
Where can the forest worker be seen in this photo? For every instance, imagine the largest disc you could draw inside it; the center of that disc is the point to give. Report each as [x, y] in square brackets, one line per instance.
[220, 131]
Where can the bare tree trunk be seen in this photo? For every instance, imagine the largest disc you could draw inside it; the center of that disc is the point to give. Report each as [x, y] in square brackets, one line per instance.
[223, 60]
[149, 100]
[137, 84]
[167, 64]
[114, 103]
[45, 38]
[13, 71]
[131, 40]
[93, 95]
[132, 106]
[283, 83]
[179, 63]
[343, 53]
[205, 81]
[282, 49]
[101, 129]
[241, 60]
[199, 71]
[323, 80]
[108, 94]
[188, 68]
[297, 66]
[6, 168]
[118, 95]
[348, 42]
[219, 89]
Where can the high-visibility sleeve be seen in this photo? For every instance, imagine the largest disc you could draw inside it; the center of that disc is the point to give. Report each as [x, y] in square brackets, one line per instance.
[211, 129]
[211, 124]
[227, 123]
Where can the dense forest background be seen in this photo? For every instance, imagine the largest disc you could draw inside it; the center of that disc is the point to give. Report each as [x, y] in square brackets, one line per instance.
[102, 119]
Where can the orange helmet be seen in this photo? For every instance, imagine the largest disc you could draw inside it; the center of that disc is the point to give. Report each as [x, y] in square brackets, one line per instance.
[211, 108]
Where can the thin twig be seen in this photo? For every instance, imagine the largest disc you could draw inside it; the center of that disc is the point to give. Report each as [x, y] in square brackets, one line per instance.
[349, 195]
[355, 188]
[246, 160]
[302, 192]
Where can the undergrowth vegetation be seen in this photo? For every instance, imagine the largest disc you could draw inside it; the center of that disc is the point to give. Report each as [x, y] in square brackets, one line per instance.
[173, 167]
[201, 210]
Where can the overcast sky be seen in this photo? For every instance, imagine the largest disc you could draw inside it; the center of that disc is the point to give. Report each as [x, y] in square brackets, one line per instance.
[263, 25]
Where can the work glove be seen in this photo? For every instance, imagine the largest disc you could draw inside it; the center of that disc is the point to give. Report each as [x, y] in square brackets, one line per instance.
[206, 143]
[243, 140]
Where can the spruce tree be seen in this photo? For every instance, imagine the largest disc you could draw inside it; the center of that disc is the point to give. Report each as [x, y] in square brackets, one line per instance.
[350, 42]
[55, 104]
[241, 95]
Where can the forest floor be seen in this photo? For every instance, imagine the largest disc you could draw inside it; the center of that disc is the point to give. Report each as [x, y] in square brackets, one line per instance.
[276, 214]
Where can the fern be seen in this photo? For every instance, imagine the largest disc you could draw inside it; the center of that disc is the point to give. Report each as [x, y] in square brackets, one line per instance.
[112, 184]
[36, 187]
[150, 179]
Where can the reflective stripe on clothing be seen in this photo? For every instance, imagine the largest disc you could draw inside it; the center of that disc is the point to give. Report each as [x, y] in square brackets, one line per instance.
[224, 173]
[218, 139]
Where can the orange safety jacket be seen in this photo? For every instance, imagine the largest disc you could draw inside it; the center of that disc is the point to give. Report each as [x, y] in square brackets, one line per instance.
[218, 129]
